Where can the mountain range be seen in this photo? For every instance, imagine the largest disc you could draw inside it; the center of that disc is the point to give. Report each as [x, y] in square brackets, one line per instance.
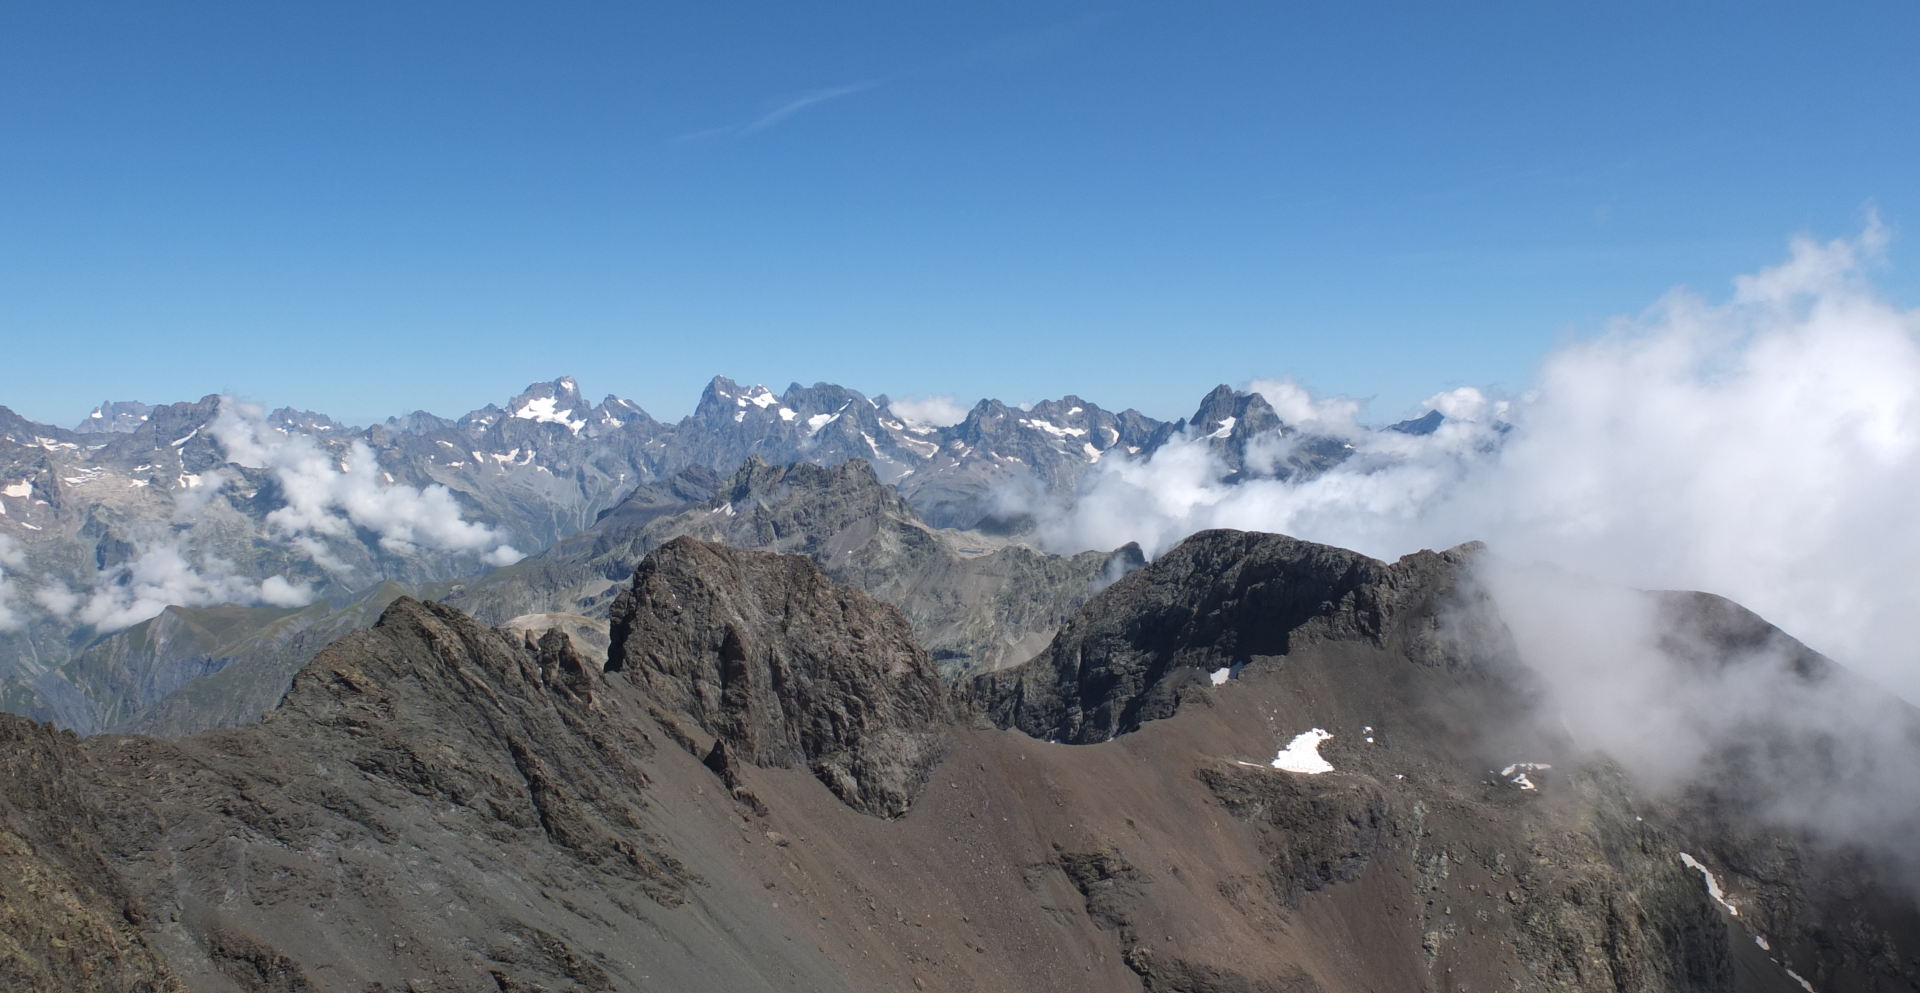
[145, 509]
[559, 697]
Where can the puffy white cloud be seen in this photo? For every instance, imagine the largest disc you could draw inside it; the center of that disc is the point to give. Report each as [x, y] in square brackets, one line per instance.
[503, 555]
[56, 599]
[928, 412]
[1335, 416]
[329, 496]
[162, 575]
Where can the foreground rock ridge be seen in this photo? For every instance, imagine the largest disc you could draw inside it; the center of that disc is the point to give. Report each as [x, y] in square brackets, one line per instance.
[767, 787]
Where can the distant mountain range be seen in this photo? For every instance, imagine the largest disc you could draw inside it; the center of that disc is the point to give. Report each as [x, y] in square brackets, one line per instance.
[193, 505]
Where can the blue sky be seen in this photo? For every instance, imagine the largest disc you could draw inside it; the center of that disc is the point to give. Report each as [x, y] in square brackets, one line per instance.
[368, 208]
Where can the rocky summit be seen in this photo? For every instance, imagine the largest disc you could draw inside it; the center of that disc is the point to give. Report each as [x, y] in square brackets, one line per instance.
[1256, 764]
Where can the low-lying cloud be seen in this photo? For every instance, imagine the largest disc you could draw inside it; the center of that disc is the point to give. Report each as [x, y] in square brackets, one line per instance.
[330, 496]
[165, 575]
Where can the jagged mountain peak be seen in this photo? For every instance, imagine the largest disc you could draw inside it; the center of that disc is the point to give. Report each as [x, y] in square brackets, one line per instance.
[114, 417]
[1426, 423]
[785, 667]
[1220, 597]
[556, 401]
[1225, 412]
[307, 422]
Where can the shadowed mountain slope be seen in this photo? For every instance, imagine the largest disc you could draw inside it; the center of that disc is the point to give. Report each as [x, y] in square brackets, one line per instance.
[438, 806]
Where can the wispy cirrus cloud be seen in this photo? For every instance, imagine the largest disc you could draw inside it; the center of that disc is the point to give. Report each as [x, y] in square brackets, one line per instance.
[781, 112]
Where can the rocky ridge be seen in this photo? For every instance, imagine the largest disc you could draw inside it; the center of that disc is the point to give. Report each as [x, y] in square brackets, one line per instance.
[767, 791]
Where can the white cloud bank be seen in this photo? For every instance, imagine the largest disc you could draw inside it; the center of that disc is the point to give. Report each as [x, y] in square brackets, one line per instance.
[329, 497]
[1765, 447]
[164, 575]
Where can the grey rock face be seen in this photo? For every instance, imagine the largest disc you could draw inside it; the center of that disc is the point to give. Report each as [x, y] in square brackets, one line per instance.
[767, 654]
[1218, 599]
[114, 417]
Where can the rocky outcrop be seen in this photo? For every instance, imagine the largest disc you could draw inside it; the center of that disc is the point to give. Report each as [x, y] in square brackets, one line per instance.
[1218, 600]
[767, 654]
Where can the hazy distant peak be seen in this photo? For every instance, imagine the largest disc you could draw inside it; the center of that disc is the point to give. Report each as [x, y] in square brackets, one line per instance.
[114, 417]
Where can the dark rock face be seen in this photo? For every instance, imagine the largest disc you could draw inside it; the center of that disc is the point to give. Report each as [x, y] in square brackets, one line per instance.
[1219, 599]
[767, 654]
[69, 921]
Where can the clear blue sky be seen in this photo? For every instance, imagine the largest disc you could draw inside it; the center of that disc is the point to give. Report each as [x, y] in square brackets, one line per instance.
[364, 208]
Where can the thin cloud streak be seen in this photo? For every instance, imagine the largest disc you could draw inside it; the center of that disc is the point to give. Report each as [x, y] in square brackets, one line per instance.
[780, 114]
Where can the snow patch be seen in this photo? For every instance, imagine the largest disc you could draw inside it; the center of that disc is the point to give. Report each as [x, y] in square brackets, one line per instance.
[543, 411]
[1225, 428]
[182, 441]
[818, 421]
[1713, 890]
[1516, 774]
[19, 490]
[1221, 675]
[1053, 429]
[916, 445]
[1302, 754]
